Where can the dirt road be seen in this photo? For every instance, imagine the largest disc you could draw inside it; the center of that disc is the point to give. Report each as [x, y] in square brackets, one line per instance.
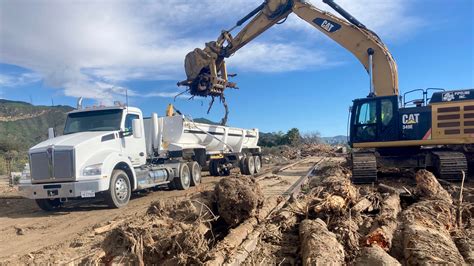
[26, 231]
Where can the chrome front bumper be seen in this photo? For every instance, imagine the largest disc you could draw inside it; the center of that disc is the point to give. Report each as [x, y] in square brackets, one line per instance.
[60, 190]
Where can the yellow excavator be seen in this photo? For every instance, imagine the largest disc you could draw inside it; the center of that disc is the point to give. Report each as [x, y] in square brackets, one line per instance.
[433, 132]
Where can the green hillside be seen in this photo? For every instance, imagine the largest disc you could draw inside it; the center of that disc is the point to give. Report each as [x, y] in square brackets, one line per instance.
[22, 125]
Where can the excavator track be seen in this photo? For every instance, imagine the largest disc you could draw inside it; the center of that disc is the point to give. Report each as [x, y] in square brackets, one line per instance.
[449, 165]
[364, 168]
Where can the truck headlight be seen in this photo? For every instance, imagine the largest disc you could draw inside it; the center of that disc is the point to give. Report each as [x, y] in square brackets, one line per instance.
[95, 169]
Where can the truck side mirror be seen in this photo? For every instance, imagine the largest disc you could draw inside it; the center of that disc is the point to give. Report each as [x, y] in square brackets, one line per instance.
[50, 133]
[137, 129]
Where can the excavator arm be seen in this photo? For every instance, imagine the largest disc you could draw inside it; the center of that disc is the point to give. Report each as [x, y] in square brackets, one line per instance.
[207, 73]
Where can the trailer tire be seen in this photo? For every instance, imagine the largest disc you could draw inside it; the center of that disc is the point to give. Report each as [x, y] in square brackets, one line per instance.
[248, 165]
[195, 169]
[258, 164]
[216, 170]
[49, 205]
[119, 191]
[183, 181]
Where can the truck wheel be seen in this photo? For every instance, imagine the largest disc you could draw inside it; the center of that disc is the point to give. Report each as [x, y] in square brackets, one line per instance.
[248, 165]
[119, 191]
[242, 166]
[258, 164]
[183, 181]
[195, 169]
[49, 205]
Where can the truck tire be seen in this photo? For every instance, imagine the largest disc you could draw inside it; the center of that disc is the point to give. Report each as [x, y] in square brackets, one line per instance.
[183, 181]
[258, 164]
[119, 191]
[49, 205]
[195, 169]
[248, 165]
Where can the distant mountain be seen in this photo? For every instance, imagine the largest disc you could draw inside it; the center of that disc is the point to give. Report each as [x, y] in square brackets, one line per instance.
[22, 125]
[205, 121]
[336, 140]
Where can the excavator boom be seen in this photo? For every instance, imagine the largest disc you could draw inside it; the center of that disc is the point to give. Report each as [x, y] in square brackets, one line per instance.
[206, 70]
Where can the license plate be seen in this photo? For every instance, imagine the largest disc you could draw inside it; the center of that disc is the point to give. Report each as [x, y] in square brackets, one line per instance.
[87, 194]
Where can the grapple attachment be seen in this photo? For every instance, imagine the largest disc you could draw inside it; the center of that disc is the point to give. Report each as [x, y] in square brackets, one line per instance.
[206, 72]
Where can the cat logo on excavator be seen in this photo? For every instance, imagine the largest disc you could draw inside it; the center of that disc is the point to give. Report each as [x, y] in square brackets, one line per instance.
[327, 25]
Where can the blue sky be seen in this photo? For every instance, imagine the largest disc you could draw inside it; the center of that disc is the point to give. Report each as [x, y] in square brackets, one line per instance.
[290, 76]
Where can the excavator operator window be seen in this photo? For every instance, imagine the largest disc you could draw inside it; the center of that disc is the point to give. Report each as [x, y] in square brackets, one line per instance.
[387, 111]
[366, 122]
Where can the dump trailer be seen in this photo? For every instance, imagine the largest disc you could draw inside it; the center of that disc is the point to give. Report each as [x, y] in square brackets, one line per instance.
[113, 151]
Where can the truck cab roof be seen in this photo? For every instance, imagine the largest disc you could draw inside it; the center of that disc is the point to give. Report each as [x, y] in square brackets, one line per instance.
[99, 108]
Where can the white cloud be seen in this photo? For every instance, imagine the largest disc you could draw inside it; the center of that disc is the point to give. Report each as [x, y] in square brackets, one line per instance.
[161, 94]
[88, 48]
[390, 19]
[266, 57]
[14, 80]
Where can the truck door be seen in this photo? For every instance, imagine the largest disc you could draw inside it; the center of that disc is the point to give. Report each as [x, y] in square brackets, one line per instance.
[134, 148]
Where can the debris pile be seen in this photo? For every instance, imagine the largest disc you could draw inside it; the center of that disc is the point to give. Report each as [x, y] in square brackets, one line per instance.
[282, 154]
[336, 222]
[169, 233]
[183, 232]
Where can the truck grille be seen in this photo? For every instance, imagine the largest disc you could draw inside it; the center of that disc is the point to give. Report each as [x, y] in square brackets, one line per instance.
[52, 166]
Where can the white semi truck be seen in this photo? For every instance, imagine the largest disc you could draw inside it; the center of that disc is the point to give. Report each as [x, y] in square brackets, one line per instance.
[113, 151]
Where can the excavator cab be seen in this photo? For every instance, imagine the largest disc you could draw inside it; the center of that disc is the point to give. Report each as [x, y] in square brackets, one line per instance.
[374, 119]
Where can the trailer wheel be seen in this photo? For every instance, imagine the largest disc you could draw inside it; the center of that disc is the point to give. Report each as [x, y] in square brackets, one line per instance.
[119, 191]
[195, 169]
[258, 164]
[183, 181]
[248, 165]
[49, 205]
[216, 169]
[213, 168]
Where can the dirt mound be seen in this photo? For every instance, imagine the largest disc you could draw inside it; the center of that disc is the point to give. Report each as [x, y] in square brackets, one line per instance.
[238, 199]
[169, 233]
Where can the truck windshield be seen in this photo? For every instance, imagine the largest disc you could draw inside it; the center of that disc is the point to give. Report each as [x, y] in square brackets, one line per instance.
[103, 120]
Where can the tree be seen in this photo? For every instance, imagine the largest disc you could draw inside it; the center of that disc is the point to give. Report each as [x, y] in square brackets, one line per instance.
[313, 137]
[293, 137]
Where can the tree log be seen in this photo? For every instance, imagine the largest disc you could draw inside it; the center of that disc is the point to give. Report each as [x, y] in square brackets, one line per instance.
[385, 224]
[319, 246]
[426, 234]
[375, 255]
